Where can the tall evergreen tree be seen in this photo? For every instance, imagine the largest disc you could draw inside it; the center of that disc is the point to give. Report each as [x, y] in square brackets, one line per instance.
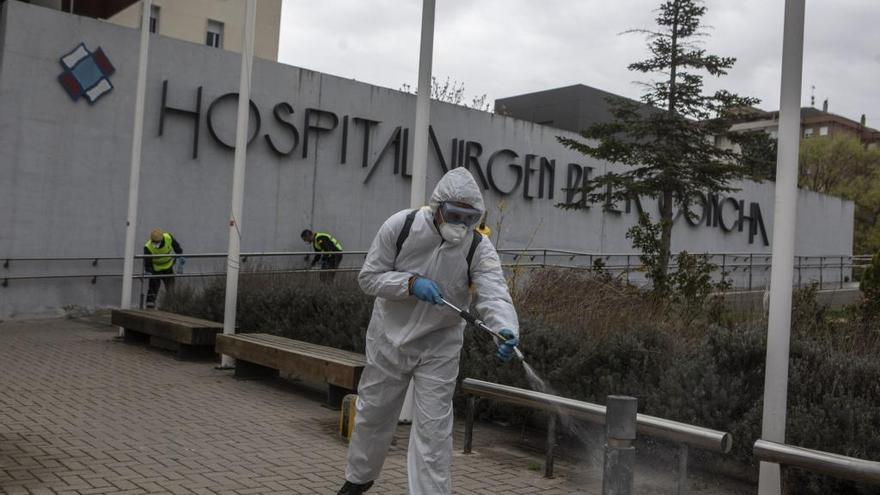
[667, 140]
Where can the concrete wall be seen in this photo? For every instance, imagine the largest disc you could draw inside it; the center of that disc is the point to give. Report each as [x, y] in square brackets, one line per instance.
[188, 20]
[64, 165]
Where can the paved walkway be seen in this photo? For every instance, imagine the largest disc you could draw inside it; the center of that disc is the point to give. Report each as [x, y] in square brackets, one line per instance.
[81, 413]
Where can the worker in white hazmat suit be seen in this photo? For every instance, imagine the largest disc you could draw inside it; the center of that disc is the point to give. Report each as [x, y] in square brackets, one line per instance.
[411, 336]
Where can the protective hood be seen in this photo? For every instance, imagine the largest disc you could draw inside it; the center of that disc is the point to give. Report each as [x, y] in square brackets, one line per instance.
[457, 185]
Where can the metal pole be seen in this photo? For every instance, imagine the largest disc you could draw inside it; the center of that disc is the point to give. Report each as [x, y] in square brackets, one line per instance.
[784, 219]
[620, 455]
[241, 133]
[418, 186]
[134, 177]
[682, 485]
[551, 445]
[469, 424]
[751, 269]
[141, 295]
[423, 108]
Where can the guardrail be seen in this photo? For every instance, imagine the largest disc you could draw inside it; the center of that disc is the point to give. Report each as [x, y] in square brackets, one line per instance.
[752, 269]
[749, 271]
[683, 434]
[839, 466]
[98, 264]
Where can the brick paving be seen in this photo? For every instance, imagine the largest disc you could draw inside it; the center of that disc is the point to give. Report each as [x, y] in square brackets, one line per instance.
[81, 413]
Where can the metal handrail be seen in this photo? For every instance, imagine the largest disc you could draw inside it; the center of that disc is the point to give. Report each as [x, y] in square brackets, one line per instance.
[507, 251]
[695, 436]
[566, 252]
[147, 276]
[66, 258]
[267, 254]
[683, 434]
[840, 466]
[732, 263]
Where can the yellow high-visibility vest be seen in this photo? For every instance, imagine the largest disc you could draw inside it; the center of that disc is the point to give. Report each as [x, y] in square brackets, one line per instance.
[161, 263]
[332, 239]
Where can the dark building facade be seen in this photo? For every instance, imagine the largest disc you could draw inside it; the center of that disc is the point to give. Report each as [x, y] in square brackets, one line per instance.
[572, 108]
[99, 9]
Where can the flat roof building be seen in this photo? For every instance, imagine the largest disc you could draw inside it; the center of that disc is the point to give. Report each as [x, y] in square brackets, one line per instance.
[572, 108]
[216, 23]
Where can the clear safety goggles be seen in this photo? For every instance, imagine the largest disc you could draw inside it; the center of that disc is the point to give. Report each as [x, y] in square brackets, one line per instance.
[462, 215]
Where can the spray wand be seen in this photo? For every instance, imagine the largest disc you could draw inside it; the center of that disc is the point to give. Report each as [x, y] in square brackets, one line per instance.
[473, 320]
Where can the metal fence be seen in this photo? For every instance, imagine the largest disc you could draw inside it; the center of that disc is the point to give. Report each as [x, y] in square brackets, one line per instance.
[744, 271]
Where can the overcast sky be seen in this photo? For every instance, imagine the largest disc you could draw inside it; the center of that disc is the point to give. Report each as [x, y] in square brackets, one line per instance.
[507, 47]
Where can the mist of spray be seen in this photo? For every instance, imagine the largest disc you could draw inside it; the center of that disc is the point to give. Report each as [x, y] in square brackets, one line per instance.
[581, 433]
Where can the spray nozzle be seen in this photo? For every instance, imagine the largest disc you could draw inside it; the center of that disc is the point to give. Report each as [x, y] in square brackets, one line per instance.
[473, 320]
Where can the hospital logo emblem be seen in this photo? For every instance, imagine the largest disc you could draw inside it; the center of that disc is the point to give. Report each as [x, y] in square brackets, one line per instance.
[86, 73]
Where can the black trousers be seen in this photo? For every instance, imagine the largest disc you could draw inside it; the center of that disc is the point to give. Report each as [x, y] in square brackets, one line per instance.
[155, 282]
[330, 262]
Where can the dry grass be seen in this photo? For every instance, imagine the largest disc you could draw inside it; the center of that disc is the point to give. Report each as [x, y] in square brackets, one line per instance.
[600, 306]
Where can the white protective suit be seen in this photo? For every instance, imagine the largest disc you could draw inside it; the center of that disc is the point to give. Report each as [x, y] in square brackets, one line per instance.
[410, 339]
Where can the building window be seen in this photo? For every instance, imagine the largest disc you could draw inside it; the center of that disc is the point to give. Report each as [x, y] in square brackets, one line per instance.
[154, 18]
[215, 34]
[823, 131]
[808, 132]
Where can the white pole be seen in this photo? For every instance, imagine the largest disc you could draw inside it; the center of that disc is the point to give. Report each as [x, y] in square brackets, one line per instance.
[784, 219]
[418, 188]
[241, 135]
[423, 108]
[134, 178]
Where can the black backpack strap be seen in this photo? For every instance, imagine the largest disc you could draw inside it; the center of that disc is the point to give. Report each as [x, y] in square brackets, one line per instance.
[404, 232]
[470, 256]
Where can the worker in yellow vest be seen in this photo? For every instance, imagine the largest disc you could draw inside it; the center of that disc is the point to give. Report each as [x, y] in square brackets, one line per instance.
[161, 243]
[328, 249]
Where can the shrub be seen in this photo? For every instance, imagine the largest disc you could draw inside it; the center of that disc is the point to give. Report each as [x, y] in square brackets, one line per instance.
[297, 306]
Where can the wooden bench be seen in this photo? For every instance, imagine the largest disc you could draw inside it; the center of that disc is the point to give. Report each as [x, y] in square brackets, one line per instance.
[185, 335]
[260, 355]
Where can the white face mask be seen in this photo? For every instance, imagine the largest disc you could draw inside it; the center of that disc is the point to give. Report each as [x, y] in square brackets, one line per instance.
[453, 233]
[157, 244]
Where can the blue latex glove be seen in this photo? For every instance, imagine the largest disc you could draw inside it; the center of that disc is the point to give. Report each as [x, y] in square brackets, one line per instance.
[426, 290]
[181, 260]
[505, 350]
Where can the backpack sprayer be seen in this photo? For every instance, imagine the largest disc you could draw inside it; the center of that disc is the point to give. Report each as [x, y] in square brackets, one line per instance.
[473, 320]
